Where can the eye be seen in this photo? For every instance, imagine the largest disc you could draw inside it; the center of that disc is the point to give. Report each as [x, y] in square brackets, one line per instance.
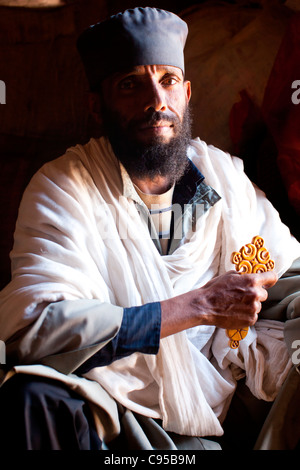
[127, 83]
[169, 80]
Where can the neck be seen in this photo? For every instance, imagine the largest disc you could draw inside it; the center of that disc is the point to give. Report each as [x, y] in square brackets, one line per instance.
[158, 185]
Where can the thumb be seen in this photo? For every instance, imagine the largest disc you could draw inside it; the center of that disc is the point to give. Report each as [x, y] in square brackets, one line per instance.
[267, 279]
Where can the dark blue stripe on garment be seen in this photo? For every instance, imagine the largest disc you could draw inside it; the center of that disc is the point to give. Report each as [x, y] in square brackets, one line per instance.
[139, 332]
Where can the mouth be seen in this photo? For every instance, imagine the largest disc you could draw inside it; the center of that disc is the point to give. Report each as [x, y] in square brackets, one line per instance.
[157, 128]
[156, 124]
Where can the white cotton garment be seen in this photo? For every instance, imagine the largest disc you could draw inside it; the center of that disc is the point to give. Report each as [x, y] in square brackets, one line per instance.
[78, 237]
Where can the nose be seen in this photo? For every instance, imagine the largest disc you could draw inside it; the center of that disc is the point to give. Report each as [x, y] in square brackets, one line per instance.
[155, 98]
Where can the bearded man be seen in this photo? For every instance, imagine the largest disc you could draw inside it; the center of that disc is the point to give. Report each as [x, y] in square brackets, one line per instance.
[115, 319]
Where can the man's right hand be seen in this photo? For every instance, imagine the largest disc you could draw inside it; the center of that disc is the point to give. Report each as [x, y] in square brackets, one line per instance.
[229, 301]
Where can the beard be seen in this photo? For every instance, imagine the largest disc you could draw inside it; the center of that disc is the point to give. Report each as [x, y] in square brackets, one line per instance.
[154, 158]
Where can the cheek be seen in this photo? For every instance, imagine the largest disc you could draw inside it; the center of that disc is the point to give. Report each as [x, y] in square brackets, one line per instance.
[121, 121]
[116, 107]
[124, 111]
[177, 103]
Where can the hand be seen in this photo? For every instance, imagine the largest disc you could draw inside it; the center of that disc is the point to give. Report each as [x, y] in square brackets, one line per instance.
[234, 300]
[229, 301]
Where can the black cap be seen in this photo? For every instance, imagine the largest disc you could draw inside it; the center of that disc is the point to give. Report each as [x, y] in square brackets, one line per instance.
[139, 36]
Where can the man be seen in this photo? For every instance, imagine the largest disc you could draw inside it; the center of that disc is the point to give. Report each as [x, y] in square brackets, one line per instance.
[115, 320]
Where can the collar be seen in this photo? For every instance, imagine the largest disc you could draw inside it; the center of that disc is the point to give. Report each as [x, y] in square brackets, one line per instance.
[129, 190]
[184, 190]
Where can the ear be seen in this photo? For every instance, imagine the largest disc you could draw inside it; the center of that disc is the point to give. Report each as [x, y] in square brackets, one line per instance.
[188, 89]
[95, 106]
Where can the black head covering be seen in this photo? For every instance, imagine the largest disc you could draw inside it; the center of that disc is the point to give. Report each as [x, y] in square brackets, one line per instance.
[139, 36]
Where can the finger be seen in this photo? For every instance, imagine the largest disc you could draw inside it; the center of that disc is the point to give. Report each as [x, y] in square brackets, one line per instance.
[266, 279]
[263, 294]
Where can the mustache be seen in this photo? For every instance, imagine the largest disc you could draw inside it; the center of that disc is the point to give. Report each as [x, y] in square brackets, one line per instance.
[153, 117]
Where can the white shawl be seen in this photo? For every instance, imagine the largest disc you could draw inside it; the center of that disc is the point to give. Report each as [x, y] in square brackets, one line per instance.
[78, 237]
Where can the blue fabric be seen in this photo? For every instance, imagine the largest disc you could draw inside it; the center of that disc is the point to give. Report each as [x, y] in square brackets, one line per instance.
[139, 332]
[186, 188]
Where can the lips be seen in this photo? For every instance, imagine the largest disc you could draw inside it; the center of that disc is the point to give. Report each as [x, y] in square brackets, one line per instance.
[151, 125]
[156, 124]
[156, 128]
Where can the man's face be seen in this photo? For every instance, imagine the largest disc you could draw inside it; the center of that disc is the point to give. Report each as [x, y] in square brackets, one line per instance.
[133, 96]
[145, 113]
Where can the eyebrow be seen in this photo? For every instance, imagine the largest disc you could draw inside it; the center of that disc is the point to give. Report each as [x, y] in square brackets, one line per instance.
[137, 71]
